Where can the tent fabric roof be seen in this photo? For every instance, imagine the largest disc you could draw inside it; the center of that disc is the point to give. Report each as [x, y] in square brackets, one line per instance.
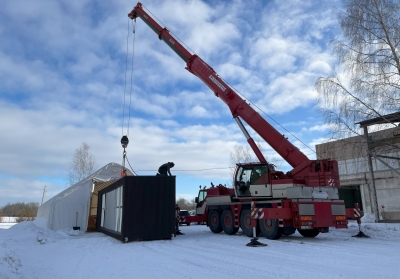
[71, 207]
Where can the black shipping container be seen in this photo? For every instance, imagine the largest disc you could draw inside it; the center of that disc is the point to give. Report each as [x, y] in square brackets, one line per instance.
[138, 208]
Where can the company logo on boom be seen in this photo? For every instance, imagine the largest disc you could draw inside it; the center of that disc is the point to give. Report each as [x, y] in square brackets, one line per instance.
[217, 83]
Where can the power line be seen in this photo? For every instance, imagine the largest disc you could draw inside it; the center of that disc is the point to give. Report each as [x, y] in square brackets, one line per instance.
[192, 170]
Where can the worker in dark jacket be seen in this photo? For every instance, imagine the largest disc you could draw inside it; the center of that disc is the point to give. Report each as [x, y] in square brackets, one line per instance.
[177, 215]
[165, 169]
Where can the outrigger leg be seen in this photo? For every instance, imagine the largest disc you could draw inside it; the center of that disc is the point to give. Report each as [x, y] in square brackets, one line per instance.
[358, 217]
[254, 241]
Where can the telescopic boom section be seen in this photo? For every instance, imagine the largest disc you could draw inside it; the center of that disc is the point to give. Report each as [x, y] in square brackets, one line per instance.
[163, 33]
[240, 107]
[237, 105]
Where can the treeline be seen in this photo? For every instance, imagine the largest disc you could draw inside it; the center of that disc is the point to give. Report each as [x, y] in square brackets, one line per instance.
[28, 211]
[23, 211]
[185, 204]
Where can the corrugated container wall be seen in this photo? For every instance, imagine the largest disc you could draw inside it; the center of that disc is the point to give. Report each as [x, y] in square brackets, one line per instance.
[138, 208]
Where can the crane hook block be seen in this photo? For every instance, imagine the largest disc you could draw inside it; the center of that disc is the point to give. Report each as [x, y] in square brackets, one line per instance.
[124, 141]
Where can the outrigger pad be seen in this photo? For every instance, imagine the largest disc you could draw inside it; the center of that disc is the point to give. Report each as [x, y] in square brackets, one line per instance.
[179, 233]
[361, 234]
[254, 243]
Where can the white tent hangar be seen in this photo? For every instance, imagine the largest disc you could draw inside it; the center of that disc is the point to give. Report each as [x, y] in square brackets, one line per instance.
[60, 212]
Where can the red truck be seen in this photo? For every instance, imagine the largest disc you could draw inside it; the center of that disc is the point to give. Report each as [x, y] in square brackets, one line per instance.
[262, 199]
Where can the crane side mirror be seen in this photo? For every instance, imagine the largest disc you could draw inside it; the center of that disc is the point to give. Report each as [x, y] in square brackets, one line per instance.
[196, 200]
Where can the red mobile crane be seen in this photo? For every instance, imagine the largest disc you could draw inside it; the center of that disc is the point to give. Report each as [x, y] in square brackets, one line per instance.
[262, 198]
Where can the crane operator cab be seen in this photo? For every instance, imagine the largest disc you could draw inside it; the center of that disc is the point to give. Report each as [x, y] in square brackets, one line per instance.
[253, 180]
[199, 200]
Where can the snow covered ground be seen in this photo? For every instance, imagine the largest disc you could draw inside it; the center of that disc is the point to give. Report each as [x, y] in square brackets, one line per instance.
[29, 251]
[7, 222]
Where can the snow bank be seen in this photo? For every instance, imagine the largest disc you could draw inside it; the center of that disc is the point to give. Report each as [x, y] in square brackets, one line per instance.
[368, 218]
[29, 231]
[40, 222]
[30, 251]
[22, 237]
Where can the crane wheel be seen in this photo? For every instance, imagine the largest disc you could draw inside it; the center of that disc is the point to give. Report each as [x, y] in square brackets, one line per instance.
[245, 223]
[309, 233]
[289, 230]
[270, 227]
[214, 221]
[228, 223]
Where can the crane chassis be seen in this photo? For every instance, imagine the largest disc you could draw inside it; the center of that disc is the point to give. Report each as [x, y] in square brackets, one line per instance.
[262, 199]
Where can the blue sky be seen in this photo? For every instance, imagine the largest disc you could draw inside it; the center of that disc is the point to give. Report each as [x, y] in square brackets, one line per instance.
[62, 70]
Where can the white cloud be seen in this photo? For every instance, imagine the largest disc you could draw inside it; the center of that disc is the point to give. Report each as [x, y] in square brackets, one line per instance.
[16, 189]
[231, 71]
[288, 92]
[317, 141]
[198, 111]
[320, 63]
[273, 53]
[62, 70]
[322, 127]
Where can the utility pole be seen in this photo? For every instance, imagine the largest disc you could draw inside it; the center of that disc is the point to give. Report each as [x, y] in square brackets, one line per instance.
[44, 192]
[374, 203]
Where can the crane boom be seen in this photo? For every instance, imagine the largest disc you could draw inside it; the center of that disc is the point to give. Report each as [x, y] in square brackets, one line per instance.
[303, 168]
[237, 105]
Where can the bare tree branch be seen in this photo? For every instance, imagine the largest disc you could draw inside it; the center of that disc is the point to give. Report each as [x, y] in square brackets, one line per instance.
[82, 164]
[369, 54]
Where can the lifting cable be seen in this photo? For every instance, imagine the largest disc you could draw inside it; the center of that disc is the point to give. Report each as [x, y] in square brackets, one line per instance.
[269, 116]
[131, 81]
[130, 165]
[124, 139]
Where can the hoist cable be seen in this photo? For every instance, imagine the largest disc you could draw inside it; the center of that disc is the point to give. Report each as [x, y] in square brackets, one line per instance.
[126, 70]
[130, 165]
[133, 55]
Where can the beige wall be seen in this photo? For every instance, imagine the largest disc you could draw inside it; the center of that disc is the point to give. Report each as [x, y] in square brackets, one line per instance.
[351, 154]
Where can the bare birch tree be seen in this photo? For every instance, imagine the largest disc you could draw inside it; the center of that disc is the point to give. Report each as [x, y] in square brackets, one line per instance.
[242, 154]
[368, 54]
[82, 164]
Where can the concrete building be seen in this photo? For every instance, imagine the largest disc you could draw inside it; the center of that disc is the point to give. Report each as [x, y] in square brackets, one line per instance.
[356, 157]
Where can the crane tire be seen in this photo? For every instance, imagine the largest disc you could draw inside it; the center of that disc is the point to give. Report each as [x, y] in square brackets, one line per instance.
[309, 233]
[289, 230]
[270, 227]
[245, 223]
[214, 221]
[228, 222]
